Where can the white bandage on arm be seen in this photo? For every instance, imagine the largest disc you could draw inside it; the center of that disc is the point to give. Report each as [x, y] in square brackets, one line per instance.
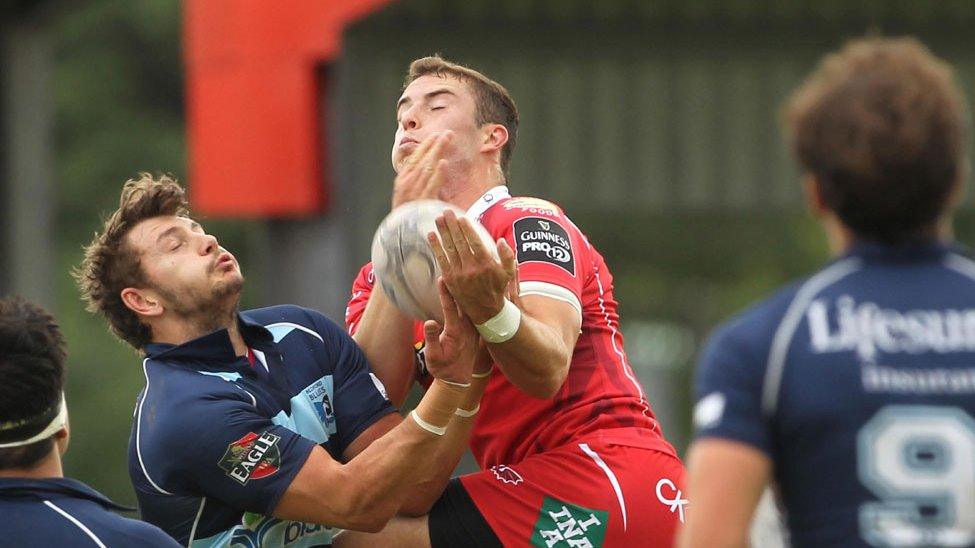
[438, 430]
[502, 326]
[467, 413]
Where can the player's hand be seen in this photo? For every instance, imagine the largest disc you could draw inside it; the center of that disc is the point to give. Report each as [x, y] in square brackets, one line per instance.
[510, 265]
[477, 281]
[452, 348]
[422, 174]
[483, 362]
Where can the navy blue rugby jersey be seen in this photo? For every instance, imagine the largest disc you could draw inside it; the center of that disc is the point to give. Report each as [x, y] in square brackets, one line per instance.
[216, 440]
[65, 512]
[859, 384]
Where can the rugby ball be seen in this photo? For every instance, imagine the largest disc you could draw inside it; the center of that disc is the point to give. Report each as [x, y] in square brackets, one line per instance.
[403, 262]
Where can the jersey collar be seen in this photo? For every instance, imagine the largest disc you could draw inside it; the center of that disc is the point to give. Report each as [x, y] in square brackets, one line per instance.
[930, 250]
[487, 200]
[45, 488]
[214, 349]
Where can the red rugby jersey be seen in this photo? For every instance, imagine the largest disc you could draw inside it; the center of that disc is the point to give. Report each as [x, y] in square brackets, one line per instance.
[601, 396]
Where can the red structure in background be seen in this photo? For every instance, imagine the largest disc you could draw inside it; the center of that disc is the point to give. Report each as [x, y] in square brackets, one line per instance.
[255, 103]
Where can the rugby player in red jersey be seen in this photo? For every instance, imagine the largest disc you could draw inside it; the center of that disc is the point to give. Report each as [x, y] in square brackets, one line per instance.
[571, 454]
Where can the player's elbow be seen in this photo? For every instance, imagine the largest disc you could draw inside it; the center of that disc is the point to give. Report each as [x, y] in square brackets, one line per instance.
[548, 390]
[363, 507]
[546, 385]
[368, 524]
[415, 509]
[367, 518]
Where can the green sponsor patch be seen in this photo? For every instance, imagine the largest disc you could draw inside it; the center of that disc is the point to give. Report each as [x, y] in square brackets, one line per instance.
[563, 524]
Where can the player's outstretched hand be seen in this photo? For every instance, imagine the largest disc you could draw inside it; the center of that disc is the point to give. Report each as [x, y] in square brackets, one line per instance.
[452, 348]
[477, 281]
[422, 174]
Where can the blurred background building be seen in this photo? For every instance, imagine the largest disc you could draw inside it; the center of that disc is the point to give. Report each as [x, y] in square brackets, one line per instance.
[653, 123]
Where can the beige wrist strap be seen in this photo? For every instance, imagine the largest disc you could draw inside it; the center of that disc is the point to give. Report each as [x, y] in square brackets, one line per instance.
[502, 326]
[438, 430]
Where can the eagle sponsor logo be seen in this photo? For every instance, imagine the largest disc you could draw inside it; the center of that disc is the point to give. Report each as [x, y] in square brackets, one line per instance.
[252, 457]
[542, 240]
[505, 474]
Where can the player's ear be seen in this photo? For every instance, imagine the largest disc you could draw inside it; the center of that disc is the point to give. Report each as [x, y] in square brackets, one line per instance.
[814, 196]
[61, 439]
[495, 137]
[143, 302]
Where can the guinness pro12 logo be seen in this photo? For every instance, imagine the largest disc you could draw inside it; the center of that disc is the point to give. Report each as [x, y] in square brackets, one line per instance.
[252, 457]
[543, 240]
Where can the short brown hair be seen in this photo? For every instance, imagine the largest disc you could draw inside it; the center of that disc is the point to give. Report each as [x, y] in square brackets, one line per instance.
[882, 126]
[494, 103]
[110, 265]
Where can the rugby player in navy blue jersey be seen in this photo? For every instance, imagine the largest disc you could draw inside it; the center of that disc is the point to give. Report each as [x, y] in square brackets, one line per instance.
[853, 391]
[263, 427]
[38, 505]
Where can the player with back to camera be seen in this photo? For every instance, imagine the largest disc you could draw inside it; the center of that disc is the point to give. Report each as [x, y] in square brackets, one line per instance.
[571, 454]
[262, 427]
[38, 505]
[853, 390]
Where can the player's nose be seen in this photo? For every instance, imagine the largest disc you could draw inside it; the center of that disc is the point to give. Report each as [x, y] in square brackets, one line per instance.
[409, 119]
[209, 244]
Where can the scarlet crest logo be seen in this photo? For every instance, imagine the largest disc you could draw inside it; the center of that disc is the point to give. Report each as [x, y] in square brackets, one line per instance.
[506, 475]
[252, 457]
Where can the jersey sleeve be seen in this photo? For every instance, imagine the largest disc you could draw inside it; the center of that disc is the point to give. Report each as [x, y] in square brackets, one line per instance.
[728, 392]
[361, 290]
[360, 397]
[549, 248]
[224, 448]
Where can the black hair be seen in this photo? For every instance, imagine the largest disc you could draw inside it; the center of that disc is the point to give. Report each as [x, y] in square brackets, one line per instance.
[32, 355]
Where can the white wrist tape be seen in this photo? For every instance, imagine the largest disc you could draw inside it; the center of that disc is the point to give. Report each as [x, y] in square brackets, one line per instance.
[438, 430]
[484, 375]
[503, 326]
[457, 384]
[467, 413]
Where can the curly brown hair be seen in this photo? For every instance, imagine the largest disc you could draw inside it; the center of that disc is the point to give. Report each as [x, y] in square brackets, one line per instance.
[494, 103]
[110, 264]
[882, 127]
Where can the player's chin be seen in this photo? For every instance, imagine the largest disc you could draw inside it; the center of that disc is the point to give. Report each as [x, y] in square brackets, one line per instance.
[398, 158]
[231, 284]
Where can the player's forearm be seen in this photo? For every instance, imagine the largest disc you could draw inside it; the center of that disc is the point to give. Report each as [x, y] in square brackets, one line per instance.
[536, 359]
[367, 492]
[725, 478]
[385, 335]
[386, 471]
[712, 535]
[428, 490]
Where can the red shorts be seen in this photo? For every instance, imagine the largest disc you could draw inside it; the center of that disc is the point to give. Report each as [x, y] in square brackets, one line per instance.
[593, 493]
